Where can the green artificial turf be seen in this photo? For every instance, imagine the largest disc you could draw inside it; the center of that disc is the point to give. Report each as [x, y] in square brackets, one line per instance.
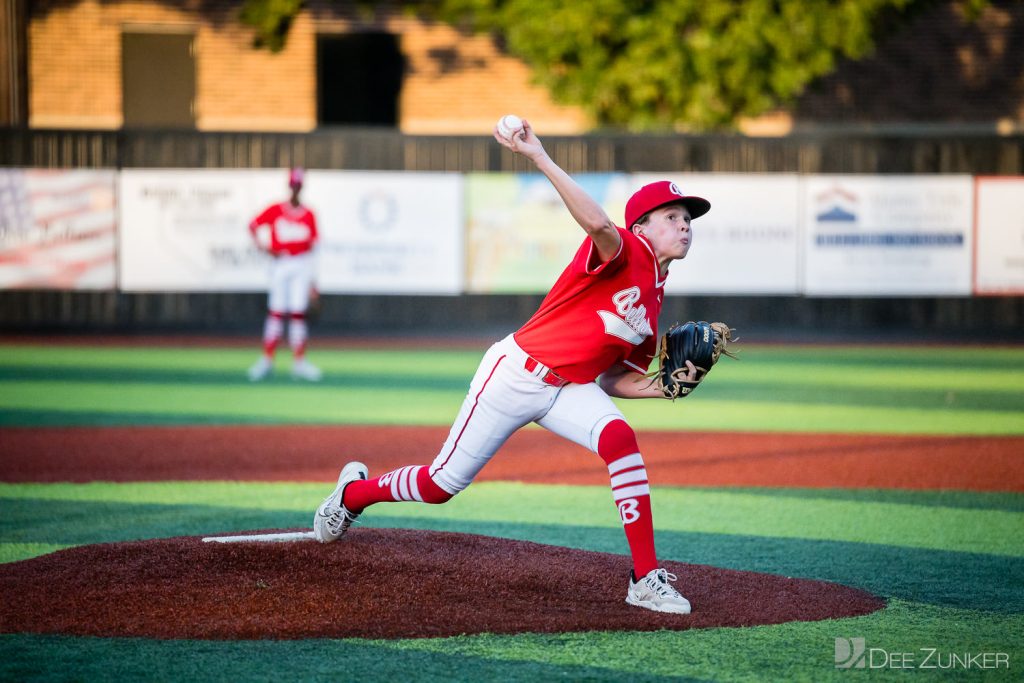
[991, 531]
[929, 390]
[950, 563]
[799, 652]
[951, 573]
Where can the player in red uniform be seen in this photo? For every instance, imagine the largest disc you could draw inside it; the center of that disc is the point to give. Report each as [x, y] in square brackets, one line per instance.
[287, 231]
[598, 322]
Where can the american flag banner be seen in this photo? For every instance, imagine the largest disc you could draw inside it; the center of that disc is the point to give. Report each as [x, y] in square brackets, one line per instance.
[57, 229]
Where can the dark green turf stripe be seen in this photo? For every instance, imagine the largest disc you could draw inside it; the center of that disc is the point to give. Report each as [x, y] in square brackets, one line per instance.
[28, 520]
[220, 378]
[64, 658]
[18, 417]
[870, 397]
[965, 500]
[952, 579]
[894, 396]
[872, 357]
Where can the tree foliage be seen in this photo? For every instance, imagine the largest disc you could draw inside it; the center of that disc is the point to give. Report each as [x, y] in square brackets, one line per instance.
[663, 64]
[271, 19]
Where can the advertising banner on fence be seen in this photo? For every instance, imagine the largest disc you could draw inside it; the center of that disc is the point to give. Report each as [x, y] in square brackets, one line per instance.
[187, 230]
[390, 233]
[747, 244]
[999, 237]
[57, 229]
[387, 233]
[520, 236]
[887, 235]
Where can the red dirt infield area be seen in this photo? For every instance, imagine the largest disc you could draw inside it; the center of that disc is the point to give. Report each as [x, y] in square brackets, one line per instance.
[436, 584]
[316, 453]
[381, 583]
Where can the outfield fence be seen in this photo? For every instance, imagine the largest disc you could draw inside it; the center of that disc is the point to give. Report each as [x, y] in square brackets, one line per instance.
[906, 153]
[387, 150]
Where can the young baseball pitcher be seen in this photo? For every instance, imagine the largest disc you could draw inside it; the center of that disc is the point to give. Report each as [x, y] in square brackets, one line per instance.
[598, 322]
[290, 236]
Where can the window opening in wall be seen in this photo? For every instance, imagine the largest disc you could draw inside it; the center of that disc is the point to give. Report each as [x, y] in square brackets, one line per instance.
[158, 80]
[359, 79]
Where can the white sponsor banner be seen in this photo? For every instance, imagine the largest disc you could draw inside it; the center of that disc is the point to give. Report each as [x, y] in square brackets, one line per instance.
[999, 258]
[187, 230]
[389, 233]
[748, 243]
[57, 229]
[887, 235]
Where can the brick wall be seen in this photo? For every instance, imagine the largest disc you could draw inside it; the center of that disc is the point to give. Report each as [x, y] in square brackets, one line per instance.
[454, 83]
[73, 66]
[462, 84]
[243, 88]
[938, 68]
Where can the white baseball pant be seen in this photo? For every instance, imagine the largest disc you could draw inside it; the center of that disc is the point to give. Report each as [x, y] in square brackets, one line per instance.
[290, 280]
[505, 396]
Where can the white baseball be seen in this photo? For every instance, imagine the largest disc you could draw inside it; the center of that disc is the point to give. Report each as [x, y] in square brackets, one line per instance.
[509, 125]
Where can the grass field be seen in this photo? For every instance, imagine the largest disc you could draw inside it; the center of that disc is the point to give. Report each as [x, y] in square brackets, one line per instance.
[950, 563]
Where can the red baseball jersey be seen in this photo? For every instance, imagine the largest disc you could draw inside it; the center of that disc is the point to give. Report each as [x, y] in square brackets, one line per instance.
[599, 314]
[292, 228]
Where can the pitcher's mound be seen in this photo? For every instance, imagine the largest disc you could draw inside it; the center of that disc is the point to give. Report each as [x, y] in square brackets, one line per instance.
[380, 583]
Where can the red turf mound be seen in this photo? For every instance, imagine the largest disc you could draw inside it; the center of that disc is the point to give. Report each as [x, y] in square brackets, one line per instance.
[379, 583]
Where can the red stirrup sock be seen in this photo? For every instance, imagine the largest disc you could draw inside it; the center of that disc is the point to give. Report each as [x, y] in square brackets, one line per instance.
[405, 483]
[618, 448]
[298, 334]
[273, 327]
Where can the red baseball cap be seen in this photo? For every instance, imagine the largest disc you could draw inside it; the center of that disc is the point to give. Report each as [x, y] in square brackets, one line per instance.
[295, 177]
[653, 196]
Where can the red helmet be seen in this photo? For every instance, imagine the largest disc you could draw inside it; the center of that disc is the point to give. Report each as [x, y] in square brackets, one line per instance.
[650, 197]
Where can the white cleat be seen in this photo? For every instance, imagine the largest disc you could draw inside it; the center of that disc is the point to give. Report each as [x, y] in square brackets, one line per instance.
[303, 369]
[332, 519]
[260, 369]
[654, 592]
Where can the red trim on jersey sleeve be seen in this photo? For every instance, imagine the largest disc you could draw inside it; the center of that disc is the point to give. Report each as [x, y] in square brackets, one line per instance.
[593, 256]
[586, 256]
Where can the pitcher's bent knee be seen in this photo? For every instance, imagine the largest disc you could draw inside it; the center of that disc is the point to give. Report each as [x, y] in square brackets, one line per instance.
[430, 492]
[616, 440]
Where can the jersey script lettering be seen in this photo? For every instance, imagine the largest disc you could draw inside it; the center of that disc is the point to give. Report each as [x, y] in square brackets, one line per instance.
[631, 322]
